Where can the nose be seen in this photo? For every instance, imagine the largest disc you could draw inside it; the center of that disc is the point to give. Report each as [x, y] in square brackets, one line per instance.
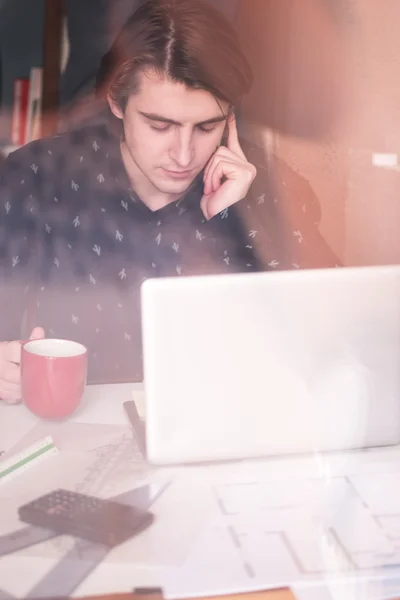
[181, 151]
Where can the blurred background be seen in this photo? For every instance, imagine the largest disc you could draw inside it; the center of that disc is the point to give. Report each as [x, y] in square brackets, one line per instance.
[326, 96]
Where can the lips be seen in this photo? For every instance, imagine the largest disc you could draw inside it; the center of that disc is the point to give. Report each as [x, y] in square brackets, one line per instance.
[178, 174]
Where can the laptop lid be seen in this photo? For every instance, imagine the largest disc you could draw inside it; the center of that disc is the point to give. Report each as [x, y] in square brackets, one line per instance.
[266, 364]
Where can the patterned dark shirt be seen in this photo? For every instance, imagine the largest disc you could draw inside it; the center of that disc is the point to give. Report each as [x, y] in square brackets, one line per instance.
[76, 243]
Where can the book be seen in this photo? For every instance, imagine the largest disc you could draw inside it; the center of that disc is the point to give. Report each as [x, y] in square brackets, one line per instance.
[19, 111]
[33, 122]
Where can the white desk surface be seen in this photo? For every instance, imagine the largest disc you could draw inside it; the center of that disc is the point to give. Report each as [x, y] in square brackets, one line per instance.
[101, 404]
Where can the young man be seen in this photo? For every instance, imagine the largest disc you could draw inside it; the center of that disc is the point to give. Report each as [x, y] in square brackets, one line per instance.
[162, 190]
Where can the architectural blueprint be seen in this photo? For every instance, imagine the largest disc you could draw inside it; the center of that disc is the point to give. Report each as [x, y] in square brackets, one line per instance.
[341, 527]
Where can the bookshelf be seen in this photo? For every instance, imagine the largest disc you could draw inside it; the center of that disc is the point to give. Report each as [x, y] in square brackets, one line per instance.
[35, 110]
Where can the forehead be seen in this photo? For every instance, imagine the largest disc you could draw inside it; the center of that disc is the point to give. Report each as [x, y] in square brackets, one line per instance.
[160, 95]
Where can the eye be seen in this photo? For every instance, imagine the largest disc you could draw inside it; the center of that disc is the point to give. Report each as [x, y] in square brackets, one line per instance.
[206, 128]
[160, 127]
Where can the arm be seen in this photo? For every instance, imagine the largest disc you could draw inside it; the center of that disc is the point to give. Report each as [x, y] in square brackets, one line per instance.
[18, 238]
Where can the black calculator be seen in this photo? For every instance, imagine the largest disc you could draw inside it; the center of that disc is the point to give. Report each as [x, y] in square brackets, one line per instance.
[100, 521]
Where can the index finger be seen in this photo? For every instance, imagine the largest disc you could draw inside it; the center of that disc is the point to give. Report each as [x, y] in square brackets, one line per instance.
[233, 138]
[10, 375]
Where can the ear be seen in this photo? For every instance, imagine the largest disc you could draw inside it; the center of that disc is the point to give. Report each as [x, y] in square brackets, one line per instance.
[115, 108]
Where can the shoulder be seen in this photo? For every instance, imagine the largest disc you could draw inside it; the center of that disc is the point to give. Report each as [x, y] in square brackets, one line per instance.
[285, 210]
[280, 183]
[46, 168]
[295, 191]
[270, 165]
[57, 152]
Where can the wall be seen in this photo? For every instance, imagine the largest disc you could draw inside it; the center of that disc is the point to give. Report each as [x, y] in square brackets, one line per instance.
[373, 195]
[328, 85]
[301, 93]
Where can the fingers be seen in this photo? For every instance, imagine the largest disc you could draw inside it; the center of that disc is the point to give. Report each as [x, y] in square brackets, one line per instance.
[204, 207]
[234, 187]
[11, 352]
[219, 169]
[37, 334]
[10, 392]
[233, 138]
[227, 178]
[224, 166]
[207, 182]
[214, 205]
[221, 153]
[10, 373]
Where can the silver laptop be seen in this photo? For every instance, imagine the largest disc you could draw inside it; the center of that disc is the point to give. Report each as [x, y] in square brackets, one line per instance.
[252, 365]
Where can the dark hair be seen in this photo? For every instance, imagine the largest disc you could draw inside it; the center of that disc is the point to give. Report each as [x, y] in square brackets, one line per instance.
[187, 40]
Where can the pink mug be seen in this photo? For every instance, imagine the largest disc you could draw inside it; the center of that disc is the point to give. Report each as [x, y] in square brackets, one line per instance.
[53, 377]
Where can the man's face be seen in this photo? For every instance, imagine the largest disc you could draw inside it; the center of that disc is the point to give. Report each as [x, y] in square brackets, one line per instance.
[171, 132]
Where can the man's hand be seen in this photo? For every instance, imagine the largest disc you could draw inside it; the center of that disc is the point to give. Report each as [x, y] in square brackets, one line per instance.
[10, 368]
[227, 177]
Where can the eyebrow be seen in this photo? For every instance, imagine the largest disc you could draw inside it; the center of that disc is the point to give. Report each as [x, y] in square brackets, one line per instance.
[160, 119]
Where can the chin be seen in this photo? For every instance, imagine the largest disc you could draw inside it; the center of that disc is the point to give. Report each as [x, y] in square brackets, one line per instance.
[177, 189]
[174, 187]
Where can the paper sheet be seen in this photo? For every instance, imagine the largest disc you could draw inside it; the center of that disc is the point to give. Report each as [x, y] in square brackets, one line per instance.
[104, 460]
[340, 529]
[379, 589]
